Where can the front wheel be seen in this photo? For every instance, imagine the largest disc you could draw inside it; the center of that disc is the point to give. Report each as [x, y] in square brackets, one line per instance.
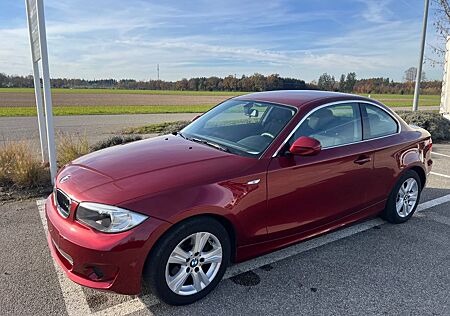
[189, 261]
[404, 198]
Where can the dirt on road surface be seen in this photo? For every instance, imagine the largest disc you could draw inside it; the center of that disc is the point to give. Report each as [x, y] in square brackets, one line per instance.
[8, 99]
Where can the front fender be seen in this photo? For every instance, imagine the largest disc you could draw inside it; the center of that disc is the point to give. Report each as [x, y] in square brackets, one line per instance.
[230, 199]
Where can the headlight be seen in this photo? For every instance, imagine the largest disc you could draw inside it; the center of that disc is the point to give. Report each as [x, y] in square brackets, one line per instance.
[107, 218]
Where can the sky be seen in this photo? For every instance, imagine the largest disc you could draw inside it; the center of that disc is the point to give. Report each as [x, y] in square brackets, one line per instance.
[300, 39]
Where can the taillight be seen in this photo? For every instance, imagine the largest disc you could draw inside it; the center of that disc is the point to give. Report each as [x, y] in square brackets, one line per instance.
[428, 145]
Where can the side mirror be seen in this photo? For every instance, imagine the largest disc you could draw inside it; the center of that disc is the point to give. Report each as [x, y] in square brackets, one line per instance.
[305, 146]
[251, 112]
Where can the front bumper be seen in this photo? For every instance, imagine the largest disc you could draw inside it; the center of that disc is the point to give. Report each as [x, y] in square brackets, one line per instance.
[97, 260]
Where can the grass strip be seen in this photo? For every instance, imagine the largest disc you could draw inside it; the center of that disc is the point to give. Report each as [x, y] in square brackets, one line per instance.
[101, 110]
[157, 128]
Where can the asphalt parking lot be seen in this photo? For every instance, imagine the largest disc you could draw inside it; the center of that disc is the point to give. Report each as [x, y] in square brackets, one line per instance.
[94, 127]
[371, 268]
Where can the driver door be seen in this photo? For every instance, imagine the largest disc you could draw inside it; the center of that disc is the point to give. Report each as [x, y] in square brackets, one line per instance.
[305, 192]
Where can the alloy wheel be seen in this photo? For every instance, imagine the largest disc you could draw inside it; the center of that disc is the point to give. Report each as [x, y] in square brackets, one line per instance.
[407, 197]
[194, 263]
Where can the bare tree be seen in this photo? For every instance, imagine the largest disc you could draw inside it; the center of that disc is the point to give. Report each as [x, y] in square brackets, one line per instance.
[442, 26]
[411, 73]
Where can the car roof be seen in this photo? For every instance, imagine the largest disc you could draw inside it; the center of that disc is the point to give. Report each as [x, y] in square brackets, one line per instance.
[298, 98]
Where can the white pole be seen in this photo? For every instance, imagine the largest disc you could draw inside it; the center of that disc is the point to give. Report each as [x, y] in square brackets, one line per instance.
[47, 93]
[445, 97]
[37, 91]
[40, 111]
[422, 49]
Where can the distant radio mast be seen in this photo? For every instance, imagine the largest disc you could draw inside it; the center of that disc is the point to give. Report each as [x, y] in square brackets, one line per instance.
[157, 68]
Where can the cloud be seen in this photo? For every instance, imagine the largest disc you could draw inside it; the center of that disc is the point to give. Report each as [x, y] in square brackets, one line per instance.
[94, 39]
[15, 51]
[376, 11]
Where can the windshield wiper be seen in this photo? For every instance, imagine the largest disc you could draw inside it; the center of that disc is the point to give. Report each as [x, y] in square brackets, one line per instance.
[178, 133]
[203, 141]
[211, 144]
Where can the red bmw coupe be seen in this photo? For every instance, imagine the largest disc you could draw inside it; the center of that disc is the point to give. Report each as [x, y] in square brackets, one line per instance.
[256, 173]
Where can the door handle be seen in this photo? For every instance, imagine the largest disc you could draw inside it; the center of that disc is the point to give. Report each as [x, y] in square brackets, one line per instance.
[362, 160]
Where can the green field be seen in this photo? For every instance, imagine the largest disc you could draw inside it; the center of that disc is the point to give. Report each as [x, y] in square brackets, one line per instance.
[99, 110]
[406, 99]
[123, 91]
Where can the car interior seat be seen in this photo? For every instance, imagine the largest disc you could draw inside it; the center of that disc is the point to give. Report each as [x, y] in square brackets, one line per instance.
[276, 120]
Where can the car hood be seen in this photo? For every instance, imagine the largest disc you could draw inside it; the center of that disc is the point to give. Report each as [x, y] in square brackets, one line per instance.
[124, 172]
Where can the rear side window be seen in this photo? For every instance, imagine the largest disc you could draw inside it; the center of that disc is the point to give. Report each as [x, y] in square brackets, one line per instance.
[333, 125]
[377, 122]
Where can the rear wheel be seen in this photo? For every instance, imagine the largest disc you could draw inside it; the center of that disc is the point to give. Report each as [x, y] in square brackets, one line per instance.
[404, 198]
[189, 261]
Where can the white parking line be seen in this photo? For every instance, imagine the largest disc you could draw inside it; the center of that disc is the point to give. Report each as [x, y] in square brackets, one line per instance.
[440, 174]
[128, 307]
[75, 299]
[439, 154]
[301, 247]
[434, 202]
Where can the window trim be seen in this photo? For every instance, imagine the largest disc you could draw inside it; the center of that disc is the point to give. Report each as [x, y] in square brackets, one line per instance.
[359, 102]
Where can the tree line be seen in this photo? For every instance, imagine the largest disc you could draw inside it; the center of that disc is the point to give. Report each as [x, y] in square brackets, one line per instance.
[256, 82]
[348, 83]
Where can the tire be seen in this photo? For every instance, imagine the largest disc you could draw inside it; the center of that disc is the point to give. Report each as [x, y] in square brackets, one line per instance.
[189, 260]
[399, 208]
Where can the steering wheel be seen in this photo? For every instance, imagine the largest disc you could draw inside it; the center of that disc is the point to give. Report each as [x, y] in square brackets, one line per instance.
[267, 134]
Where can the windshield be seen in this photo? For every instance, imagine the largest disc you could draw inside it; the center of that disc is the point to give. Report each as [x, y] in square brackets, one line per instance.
[242, 127]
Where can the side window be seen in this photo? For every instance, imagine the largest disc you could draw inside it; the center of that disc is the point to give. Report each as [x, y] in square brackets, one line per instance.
[332, 125]
[377, 122]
